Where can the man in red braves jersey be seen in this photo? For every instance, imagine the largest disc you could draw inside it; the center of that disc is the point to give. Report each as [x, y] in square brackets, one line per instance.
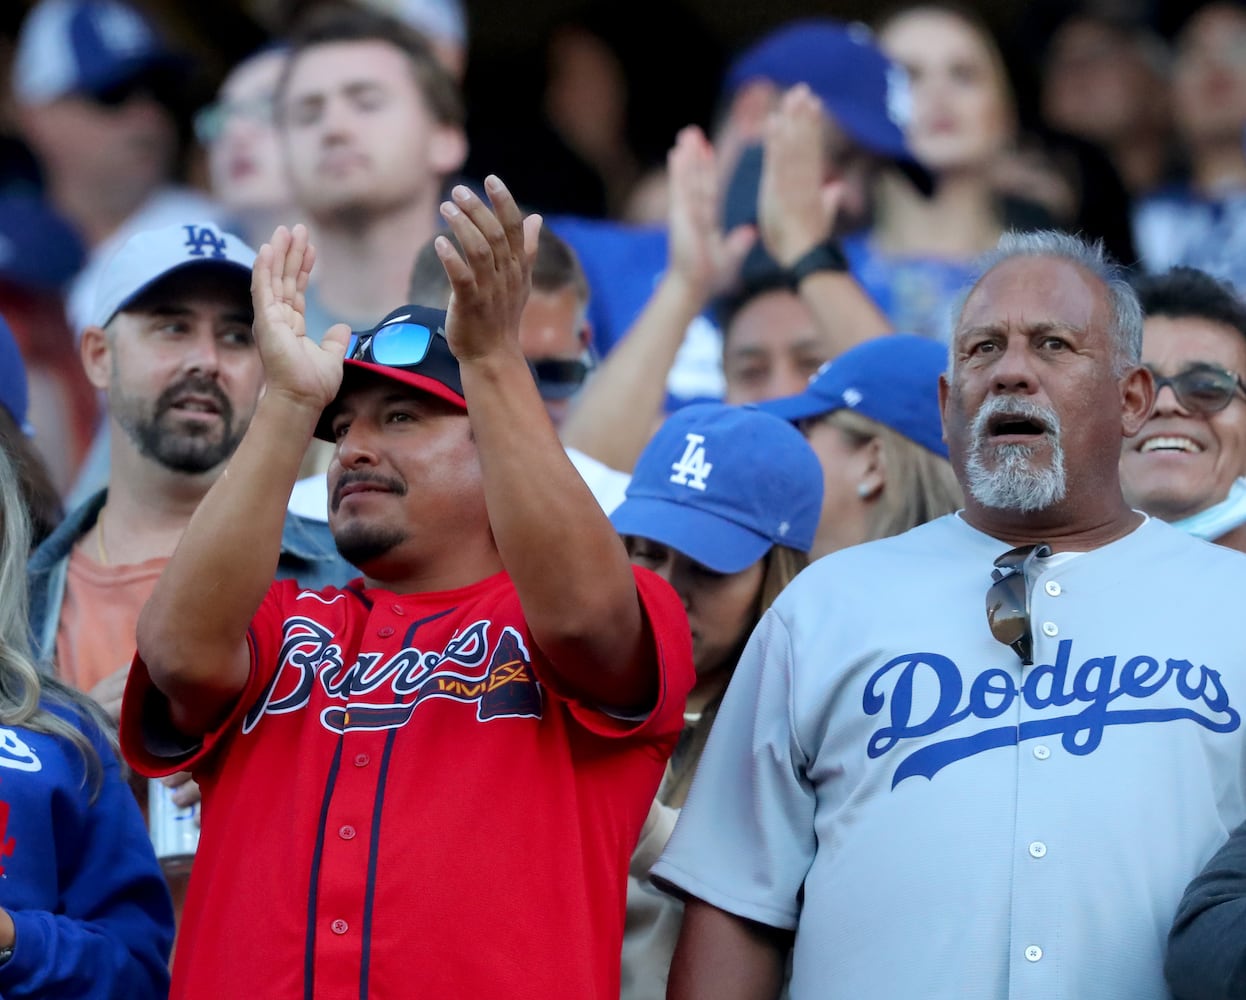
[427, 784]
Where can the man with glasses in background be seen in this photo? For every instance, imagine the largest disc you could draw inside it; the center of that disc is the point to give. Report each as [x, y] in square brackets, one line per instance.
[923, 799]
[1187, 462]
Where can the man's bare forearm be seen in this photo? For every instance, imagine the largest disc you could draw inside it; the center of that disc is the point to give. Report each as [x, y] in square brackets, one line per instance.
[724, 957]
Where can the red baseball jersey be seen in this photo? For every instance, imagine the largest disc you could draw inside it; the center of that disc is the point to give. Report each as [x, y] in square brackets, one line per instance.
[403, 805]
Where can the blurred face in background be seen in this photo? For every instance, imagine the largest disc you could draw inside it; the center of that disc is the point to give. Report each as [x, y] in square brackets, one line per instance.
[772, 347]
[962, 108]
[1099, 84]
[244, 156]
[1209, 76]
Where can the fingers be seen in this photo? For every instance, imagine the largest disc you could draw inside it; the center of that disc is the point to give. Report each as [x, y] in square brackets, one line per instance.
[496, 238]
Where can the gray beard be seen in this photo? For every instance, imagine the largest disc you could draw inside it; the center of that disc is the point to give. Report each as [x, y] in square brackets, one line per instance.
[1015, 483]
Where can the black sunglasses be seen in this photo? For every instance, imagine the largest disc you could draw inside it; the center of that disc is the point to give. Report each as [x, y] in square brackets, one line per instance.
[558, 378]
[1201, 389]
[1008, 599]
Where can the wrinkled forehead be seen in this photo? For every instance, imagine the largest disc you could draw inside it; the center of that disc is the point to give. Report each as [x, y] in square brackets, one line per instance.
[1034, 293]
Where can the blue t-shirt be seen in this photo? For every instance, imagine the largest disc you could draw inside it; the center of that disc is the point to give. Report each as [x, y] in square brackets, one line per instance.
[1176, 226]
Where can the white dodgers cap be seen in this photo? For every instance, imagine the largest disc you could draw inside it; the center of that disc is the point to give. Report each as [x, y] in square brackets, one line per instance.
[147, 257]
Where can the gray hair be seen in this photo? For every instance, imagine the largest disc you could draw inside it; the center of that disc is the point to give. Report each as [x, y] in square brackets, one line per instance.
[1126, 322]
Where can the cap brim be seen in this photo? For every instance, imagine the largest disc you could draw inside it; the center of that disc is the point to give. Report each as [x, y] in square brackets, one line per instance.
[884, 139]
[415, 380]
[722, 545]
[799, 407]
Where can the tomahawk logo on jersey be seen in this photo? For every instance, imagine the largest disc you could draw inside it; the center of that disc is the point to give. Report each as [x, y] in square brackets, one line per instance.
[494, 675]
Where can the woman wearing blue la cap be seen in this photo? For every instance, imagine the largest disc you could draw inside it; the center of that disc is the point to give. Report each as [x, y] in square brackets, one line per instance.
[723, 504]
[872, 417]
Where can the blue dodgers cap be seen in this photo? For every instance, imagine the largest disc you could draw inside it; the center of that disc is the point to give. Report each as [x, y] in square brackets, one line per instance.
[864, 91]
[14, 392]
[85, 47]
[154, 254]
[722, 484]
[892, 379]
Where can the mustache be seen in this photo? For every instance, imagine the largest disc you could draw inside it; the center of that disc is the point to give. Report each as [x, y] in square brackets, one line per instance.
[395, 486]
[1013, 408]
[195, 385]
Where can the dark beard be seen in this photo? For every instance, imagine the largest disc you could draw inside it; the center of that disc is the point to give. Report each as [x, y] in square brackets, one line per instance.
[361, 544]
[190, 449]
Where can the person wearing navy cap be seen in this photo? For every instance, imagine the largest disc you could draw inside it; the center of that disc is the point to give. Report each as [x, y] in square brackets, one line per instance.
[723, 505]
[872, 417]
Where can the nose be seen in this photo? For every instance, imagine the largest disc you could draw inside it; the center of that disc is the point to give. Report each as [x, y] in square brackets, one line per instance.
[1166, 402]
[356, 447]
[203, 354]
[1013, 369]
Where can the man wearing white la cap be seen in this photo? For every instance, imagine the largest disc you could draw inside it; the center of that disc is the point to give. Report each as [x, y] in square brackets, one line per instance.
[170, 343]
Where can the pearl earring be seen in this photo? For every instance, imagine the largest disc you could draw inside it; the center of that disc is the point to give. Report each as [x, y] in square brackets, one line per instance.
[863, 491]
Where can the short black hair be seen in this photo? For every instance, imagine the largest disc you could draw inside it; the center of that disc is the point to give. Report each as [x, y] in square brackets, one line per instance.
[1188, 292]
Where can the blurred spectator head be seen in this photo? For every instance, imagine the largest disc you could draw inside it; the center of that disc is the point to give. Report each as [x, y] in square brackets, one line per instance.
[866, 95]
[772, 344]
[245, 163]
[92, 82]
[963, 109]
[369, 119]
[1193, 446]
[872, 417]
[1209, 76]
[1105, 80]
[554, 332]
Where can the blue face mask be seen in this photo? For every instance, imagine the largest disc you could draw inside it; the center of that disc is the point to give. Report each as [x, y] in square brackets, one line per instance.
[1219, 519]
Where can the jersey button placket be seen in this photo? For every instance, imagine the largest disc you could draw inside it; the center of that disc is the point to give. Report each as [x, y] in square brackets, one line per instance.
[339, 926]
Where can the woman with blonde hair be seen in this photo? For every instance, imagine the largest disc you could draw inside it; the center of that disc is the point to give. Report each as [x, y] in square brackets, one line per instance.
[723, 505]
[84, 911]
[872, 418]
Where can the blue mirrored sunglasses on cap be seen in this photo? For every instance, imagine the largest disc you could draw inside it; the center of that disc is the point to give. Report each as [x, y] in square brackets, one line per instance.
[401, 340]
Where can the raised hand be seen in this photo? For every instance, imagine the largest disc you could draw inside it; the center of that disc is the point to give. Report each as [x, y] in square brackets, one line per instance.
[294, 364]
[490, 281]
[700, 253]
[797, 205]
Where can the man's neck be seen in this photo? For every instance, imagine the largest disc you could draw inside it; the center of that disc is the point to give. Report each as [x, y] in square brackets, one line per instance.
[147, 509]
[364, 270]
[1063, 528]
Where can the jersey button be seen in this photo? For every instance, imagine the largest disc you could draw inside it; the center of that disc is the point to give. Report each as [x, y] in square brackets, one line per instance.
[1042, 752]
[1049, 628]
[339, 927]
[362, 760]
[1038, 849]
[1052, 588]
[398, 609]
[1033, 953]
[346, 832]
[385, 631]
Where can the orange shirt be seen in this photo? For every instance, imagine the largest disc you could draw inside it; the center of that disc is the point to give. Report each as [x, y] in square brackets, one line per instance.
[95, 637]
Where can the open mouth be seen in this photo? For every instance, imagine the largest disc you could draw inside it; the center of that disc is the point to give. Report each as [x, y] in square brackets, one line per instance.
[1171, 443]
[1008, 425]
[196, 404]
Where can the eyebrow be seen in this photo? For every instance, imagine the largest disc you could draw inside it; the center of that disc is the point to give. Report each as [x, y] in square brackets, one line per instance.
[1043, 326]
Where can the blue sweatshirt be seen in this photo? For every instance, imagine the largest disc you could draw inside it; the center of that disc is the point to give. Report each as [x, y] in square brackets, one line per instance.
[86, 894]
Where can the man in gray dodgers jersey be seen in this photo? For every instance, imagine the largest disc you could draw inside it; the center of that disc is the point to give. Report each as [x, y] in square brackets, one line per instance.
[926, 804]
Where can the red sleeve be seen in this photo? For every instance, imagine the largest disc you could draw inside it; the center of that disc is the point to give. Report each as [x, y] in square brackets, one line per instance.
[150, 742]
[670, 654]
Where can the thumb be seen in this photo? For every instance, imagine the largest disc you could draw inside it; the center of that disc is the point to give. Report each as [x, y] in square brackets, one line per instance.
[831, 195]
[738, 242]
[336, 339]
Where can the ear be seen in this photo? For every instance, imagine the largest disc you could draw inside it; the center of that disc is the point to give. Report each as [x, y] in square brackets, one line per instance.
[447, 149]
[585, 334]
[872, 476]
[1137, 400]
[944, 393]
[96, 353]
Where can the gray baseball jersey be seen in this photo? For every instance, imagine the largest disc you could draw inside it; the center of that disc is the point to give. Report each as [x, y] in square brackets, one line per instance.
[936, 820]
